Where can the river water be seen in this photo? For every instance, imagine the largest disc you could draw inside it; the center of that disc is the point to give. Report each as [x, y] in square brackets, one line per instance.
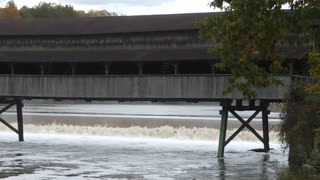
[119, 141]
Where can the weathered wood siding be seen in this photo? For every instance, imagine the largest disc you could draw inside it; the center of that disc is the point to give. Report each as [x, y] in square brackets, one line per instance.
[209, 87]
[166, 39]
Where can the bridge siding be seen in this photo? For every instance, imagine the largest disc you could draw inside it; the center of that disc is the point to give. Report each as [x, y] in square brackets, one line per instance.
[131, 87]
[165, 39]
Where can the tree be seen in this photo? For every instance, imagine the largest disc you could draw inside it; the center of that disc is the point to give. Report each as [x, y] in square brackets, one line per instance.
[44, 9]
[246, 33]
[10, 10]
[95, 13]
[314, 60]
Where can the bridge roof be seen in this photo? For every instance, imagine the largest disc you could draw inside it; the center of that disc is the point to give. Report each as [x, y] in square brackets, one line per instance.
[104, 25]
[101, 25]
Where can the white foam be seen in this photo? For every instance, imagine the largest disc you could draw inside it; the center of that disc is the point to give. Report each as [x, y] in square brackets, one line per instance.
[164, 132]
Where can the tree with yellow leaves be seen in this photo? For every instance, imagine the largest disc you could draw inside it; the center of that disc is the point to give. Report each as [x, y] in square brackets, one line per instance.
[10, 11]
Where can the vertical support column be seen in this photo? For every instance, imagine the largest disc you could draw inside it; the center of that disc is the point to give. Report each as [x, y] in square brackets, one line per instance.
[42, 69]
[140, 68]
[290, 68]
[106, 69]
[176, 68]
[212, 65]
[11, 69]
[19, 106]
[73, 69]
[265, 126]
[223, 130]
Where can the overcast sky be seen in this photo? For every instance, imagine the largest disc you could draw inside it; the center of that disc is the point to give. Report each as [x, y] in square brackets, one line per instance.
[131, 7]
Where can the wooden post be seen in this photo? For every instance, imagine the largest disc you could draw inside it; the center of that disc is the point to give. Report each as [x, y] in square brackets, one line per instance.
[265, 127]
[290, 68]
[140, 68]
[41, 69]
[176, 68]
[73, 69]
[212, 68]
[19, 106]
[11, 69]
[223, 131]
[106, 69]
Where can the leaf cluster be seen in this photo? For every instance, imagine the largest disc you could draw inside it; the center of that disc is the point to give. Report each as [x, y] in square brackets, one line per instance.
[245, 35]
[314, 61]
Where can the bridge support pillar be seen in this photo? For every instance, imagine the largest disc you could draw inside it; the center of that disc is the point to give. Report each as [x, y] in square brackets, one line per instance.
[19, 106]
[228, 107]
[223, 128]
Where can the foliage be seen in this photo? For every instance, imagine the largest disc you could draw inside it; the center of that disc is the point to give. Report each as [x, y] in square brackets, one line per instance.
[245, 35]
[10, 11]
[297, 129]
[44, 9]
[11, 3]
[301, 122]
[314, 61]
[96, 13]
[298, 175]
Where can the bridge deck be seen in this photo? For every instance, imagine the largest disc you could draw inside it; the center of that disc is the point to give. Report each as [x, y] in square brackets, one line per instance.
[144, 87]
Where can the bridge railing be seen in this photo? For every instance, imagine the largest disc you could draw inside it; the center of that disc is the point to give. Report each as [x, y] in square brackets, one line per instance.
[304, 79]
[137, 87]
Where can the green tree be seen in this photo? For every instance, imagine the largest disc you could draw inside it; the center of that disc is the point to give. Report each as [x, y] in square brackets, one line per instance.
[96, 13]
[44, 9]
[246, 33]
[11, 3]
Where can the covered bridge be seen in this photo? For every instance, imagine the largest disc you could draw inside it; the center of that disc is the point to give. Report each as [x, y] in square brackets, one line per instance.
[155, 57]
[125, 58]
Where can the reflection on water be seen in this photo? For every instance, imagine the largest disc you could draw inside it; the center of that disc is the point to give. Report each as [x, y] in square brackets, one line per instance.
[82, 157]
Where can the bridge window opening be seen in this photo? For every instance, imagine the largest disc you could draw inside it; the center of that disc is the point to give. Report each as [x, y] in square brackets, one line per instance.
[4, 68]
[123, 69]
[158, 68]
[216, 70]
[90, 69]
[195, 68]
[301, 68]
[28, 69]
[265, 65]
[58, 69]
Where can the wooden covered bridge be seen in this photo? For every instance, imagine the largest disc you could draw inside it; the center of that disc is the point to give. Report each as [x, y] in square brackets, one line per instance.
[124, 58]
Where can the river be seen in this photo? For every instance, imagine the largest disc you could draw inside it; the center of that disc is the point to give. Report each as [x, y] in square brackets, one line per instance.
[130, 141]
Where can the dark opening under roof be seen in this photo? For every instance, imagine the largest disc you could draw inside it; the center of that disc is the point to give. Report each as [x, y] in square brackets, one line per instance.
[128, 55]
[101, 25]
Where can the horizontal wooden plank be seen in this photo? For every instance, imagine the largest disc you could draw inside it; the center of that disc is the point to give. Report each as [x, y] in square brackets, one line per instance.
[129, 87]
